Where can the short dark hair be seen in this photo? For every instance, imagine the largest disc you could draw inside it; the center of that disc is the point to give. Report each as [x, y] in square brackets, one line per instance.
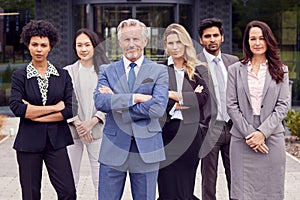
[40, 28]
[208, 23]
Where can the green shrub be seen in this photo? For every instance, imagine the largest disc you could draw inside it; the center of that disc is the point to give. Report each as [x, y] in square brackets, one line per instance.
[292, 121]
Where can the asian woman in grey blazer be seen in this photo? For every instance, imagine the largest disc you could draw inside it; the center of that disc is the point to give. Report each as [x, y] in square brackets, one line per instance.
[257, 101]
[87, 126]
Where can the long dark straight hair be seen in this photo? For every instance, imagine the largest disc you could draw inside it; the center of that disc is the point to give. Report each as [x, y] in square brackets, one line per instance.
[272, 53]
[99, 51]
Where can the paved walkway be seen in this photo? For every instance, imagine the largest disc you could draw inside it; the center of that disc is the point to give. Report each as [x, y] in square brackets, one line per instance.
[10, 188]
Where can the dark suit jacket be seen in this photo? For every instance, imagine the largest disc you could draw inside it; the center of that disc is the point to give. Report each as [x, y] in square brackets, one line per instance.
[210, 108]
[210, 125]
[32, 136]
[194, 101]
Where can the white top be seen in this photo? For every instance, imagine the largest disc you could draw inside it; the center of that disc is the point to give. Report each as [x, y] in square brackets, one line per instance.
[87, 82]
[179, 74]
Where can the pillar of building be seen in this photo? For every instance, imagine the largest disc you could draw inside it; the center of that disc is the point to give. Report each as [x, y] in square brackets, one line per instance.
[221, 9]
[58, 12]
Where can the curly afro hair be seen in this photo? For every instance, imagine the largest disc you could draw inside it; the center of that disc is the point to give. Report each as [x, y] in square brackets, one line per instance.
[40, 28]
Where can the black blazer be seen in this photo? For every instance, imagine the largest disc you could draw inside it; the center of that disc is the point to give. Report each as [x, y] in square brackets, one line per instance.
[194, 101]
[32, 136]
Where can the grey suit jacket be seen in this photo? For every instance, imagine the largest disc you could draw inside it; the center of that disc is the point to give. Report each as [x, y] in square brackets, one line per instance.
[275, 102]
[210, 126]
[97, 130]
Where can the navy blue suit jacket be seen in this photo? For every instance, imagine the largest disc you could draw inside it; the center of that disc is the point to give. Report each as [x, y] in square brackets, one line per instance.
[32, 136]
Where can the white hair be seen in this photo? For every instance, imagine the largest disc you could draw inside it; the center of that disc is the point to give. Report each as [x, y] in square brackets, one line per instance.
[132, 22]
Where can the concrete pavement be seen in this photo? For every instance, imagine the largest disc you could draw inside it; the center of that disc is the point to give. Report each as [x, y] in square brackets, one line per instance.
[10, 187]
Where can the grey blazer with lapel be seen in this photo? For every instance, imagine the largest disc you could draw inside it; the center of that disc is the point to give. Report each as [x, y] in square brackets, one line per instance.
[274, 107]
[97, 130]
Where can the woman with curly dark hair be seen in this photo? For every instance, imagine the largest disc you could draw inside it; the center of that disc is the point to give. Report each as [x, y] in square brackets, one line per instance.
[257, 101]
[41, 95]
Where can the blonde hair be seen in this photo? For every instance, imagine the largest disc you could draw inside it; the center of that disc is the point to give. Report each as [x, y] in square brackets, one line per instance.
[189, 56]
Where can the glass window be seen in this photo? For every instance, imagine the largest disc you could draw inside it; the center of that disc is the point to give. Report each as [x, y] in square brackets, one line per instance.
[186, 14]
[154, 17]
[108, 18]
[283, 17]
[13, 16]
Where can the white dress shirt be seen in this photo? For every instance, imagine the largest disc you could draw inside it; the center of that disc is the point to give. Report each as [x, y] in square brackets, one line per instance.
[210, 61]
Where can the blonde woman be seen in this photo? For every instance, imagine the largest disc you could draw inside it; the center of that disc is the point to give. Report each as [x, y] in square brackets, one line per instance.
[181, 133]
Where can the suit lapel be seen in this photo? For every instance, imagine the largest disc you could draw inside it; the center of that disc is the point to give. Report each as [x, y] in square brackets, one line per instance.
[121, 74]
[211, 87]
[36, 90]
[225, 61]
[244, 78]
[76, 83]
[51, 88]
[267, 84]
[209, 80]
[144, 71]
[172, 78]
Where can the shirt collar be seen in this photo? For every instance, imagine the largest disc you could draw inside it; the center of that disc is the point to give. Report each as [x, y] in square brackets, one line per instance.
[138, 62]
[211, 57]
[263, 65]
[171, 62]
[32, 72]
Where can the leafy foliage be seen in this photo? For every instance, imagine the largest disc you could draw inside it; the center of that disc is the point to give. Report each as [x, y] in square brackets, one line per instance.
[292, 121]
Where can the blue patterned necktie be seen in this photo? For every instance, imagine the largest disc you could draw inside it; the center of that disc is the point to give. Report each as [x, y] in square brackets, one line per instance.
[131, 76]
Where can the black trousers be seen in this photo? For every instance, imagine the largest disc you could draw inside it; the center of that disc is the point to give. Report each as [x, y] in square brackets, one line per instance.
[176, 177]
[209, 164]
[59, 170]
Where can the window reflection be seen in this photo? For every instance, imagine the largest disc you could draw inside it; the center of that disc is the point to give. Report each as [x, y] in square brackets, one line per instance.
[154, 17]
[13, 55]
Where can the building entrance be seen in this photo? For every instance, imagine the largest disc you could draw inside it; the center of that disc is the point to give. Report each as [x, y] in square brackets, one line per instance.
[156, 18]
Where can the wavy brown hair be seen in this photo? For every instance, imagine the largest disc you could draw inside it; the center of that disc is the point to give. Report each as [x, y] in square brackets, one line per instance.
[272, 52]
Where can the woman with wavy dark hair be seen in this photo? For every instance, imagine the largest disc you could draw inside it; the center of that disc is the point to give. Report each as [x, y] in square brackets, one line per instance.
[257, 101]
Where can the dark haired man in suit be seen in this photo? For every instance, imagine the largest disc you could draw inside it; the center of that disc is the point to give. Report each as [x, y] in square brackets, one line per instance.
[217, 123]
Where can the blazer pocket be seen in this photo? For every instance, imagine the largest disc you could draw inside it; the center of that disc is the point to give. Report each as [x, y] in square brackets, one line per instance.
[147, 80]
